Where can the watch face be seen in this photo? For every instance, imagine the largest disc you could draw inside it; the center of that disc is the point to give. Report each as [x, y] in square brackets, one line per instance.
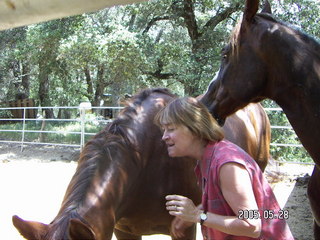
[203, 216]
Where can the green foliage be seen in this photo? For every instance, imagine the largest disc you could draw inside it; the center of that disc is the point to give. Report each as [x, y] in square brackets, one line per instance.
[303, 14]
[136, 46]
[119, 50]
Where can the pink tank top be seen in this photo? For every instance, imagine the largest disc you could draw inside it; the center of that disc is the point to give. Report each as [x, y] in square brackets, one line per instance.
[274, 226]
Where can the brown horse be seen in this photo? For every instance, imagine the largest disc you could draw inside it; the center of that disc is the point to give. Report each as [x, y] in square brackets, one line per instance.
[250, 129]
[122, 178]
[267, 58]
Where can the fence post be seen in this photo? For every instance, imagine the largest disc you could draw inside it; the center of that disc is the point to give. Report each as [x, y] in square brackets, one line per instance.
[23, 128]
[83, 107]
[82, 119]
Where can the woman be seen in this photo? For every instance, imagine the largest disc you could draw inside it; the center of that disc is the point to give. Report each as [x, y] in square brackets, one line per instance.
[237, 202]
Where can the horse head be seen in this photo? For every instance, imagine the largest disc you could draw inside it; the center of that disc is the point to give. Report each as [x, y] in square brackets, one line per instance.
[242, 75]
[75, 230]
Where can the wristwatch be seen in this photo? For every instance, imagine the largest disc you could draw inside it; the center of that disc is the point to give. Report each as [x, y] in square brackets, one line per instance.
[203, 217]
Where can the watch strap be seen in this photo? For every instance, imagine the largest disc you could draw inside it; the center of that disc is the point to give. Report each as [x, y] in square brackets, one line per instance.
[201, 219]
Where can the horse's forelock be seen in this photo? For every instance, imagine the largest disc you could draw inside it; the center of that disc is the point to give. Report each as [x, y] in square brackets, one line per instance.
[234, 39]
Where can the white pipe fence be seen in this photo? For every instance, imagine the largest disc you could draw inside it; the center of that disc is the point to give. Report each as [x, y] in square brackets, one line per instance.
[81, 113]
[81, 117]
[281, 127]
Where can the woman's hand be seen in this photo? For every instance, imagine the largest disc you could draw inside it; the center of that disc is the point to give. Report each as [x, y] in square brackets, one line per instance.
[179, 227]
[183, 208]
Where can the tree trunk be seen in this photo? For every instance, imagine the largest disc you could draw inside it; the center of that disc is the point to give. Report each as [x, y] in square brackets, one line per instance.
[99, 87]
[25, 80]
[44, 90]
[89, 84]
[197, 37]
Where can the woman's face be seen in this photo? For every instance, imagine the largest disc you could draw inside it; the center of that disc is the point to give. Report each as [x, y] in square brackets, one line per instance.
[178, 139]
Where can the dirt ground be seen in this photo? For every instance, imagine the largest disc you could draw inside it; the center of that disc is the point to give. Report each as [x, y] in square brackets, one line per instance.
[33, 182]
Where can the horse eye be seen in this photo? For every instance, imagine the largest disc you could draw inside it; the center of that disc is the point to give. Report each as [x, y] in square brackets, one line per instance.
[224, 56]
[224, 52]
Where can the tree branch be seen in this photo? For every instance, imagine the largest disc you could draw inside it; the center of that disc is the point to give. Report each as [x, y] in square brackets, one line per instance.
[190, 19]
[214, 21]
[153, 21]
[158, 73]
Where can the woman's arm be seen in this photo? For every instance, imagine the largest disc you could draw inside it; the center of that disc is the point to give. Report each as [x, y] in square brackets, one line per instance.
[236, 187]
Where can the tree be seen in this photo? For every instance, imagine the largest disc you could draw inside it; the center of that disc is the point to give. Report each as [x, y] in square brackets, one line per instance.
[15, 66]
[167, 43]
[45, 39]
[184, 33]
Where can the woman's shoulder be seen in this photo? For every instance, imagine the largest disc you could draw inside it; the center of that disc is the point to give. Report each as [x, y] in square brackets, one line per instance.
[226, 146]
[226, 151]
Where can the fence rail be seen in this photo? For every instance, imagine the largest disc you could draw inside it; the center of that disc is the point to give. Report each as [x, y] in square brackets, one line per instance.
[281, 127]
[81, 116]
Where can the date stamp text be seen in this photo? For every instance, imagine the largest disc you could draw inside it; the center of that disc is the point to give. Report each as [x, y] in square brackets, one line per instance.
[264, 214]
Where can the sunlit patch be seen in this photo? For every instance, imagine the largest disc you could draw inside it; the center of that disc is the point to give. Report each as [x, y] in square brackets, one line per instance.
[132, 135]
[316, 67]
[250, 129]
[160, 102]
[214, 79]
[5, 156]
[274, 28]
[95, 196]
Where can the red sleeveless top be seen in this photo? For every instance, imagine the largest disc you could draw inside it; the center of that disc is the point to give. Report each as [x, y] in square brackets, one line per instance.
[274, 226]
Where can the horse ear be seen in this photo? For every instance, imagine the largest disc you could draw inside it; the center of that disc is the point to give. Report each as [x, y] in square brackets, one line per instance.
[250, 10]
[80, 231]
[266, 7]
[29, 229]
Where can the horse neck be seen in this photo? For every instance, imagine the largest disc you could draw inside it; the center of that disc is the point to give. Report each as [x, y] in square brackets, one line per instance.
[108, 192]
[298, 95]
[294, 82]
[98, 198]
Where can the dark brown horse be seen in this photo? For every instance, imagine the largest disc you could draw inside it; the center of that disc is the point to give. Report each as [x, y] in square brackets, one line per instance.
[122, 178]
[267, 58]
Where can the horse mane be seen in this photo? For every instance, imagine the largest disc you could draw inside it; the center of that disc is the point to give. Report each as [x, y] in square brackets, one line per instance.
[99, 151]
[119, 125]
[235, 34]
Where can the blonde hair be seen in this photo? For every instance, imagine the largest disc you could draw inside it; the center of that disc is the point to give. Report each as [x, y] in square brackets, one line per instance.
[194, 115]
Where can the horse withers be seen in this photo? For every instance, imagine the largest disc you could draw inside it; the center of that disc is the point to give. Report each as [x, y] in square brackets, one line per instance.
[267, 58]
[122, 178]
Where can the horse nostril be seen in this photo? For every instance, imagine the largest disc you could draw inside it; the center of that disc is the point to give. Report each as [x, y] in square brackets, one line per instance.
[221, 122]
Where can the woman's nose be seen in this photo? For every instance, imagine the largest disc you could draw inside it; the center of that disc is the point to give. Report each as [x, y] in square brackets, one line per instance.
[165, 136]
